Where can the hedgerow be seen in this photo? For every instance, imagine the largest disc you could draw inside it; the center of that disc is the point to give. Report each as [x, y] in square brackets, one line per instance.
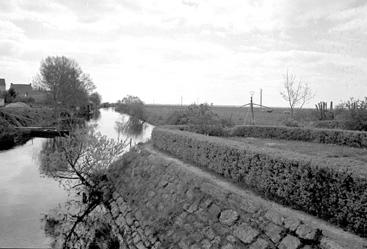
[210, 130]
[335, 190]
[340, 137]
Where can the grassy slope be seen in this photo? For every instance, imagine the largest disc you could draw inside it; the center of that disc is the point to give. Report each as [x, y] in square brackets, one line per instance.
[17, 117]
[158, 114]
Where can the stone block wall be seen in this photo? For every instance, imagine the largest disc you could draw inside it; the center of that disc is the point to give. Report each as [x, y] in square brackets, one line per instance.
[160, 202]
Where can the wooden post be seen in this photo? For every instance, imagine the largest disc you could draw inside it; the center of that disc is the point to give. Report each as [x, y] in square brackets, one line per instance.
[252, 112]
[261, 98]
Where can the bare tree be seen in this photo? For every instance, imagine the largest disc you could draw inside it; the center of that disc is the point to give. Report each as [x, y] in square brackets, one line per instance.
[295, 92]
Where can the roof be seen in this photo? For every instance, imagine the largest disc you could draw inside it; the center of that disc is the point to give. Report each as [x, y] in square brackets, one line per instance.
[21, 87]
[2, 82]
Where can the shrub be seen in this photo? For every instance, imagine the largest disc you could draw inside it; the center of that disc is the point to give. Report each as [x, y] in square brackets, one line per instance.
[210, 130]
[340, 137]
[291, 123]
[132, 106]
[353, 113]
[28, 100]
[328, 124]
[177, 118]
[200, 119]
[325, 188]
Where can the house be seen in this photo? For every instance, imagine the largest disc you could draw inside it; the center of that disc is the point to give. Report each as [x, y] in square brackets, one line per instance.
[2, 85]
[22, 90]
[2, 92]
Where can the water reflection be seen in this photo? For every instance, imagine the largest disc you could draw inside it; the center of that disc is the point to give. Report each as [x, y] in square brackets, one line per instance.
[80, 163]
[24, 196]
[130, 128]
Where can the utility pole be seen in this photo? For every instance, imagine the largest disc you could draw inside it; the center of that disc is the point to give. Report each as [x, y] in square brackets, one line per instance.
[181, 101]
[252, 112]
[252, 109]
[261, 98]
[252, 104]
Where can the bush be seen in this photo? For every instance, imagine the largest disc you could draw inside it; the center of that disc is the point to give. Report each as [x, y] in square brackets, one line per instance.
[328, 124]
[210, 130]
[200, 119]
[291, 123]
[324, 188]
[326, 136]
[177, 118]
[28, 100]
[132, 106]
[353, 113]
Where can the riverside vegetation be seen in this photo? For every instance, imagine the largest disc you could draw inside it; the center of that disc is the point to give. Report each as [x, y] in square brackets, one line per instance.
[69, 94]
[333, 189]
[80, 163]
[13, 117]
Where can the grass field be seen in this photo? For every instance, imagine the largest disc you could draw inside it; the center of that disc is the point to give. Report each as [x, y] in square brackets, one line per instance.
[158, 114]
[326, 151]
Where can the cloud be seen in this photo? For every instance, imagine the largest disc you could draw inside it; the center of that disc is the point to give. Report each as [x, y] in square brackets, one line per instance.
[210, 49]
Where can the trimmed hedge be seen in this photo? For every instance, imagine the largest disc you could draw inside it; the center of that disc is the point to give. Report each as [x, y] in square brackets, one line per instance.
[337, 193]
[210, 130]
[356, 139]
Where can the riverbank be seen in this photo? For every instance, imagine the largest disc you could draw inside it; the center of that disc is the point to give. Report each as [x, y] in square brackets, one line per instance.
[160, 201]
[11, 118]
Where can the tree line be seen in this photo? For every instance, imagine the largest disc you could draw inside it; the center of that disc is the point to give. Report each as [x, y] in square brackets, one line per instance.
[68, 86]
[64, 83]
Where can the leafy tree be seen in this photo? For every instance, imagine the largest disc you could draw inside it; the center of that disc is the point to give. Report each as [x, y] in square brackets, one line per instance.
[65, 80]
[96, 98]
[10, 95]
[296, 94]
[79, 162]
[353, 114]
[12, 92]
[132, 106]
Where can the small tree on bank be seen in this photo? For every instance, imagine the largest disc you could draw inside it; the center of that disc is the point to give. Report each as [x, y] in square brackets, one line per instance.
[96, 99]
[297, 94]
[80, 163]
[132, 106]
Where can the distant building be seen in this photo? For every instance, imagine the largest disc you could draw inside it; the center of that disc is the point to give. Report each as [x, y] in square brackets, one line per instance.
[2, 85]
[22, 90]
[27, 91]
[2, 91]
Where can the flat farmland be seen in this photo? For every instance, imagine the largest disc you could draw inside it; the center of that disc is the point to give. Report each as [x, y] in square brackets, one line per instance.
[158, 114]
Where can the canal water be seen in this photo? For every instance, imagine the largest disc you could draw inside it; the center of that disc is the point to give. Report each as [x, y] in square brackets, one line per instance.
[25, 194]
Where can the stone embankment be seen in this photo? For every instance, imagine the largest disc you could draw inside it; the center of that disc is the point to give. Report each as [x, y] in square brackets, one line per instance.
[161, 202]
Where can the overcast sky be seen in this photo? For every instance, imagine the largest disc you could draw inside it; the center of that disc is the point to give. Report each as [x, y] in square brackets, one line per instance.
[204, 50]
